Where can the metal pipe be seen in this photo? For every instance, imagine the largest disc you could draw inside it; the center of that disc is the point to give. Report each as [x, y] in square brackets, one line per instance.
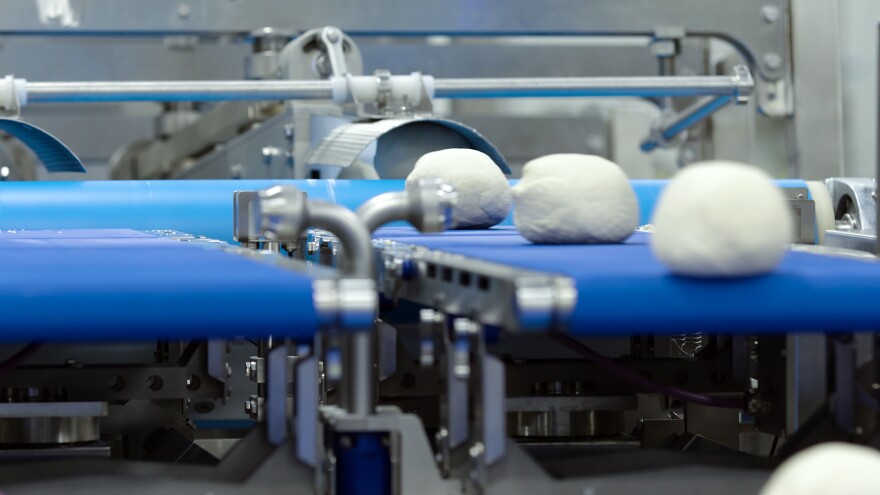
[426, 204]
[354, 236]
[383, 209]
[358, 395]
[284, 214]
[591, 86]
[684, 120]
[112, 91]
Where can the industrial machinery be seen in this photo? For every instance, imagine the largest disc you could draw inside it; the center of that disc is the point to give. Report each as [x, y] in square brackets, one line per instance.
[258, 304]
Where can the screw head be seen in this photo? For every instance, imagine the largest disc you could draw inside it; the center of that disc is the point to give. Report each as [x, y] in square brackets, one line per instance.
[773, 61]
[183, 10]
[770, 13]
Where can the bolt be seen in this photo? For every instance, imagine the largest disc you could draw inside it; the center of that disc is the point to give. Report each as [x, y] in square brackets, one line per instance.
[345, 442]
[250, 408]
[332, 35]
[183, 10]
[589, 490]
[773, 61]
[770, 13]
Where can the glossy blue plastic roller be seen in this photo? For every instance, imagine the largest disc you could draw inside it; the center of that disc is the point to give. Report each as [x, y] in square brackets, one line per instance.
[202, 207]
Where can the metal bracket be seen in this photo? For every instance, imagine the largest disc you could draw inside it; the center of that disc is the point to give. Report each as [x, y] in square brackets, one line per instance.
[332, 38]
[671, 128]
[386, 104]
[478, 376]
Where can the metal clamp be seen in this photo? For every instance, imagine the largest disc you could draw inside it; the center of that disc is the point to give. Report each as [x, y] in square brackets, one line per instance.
[12, 96]
[346, 304]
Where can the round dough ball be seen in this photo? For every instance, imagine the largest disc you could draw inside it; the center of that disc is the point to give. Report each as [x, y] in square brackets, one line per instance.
[483, 191]
[721, 219]
[827, 469]
[574, 199]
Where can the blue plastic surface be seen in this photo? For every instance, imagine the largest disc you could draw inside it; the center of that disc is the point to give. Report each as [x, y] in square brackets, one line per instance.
[89, 285]
[363, 464]
[624, 289]
[202, 207]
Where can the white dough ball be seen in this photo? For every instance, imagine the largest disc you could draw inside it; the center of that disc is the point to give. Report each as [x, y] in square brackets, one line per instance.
[483, 191]
[833, 468]
[721, 219]
[574, 199]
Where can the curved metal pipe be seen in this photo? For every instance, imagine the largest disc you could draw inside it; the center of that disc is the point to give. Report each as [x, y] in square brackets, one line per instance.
[383, 209]
[426, 204]
[354, 236]
[285, 214]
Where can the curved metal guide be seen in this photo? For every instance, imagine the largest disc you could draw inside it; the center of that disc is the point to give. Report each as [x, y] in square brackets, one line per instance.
[54, 154]
[346, 143]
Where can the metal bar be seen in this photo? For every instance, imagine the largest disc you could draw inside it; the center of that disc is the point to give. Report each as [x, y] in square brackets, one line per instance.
[52, 409]
[108, 91]
[358, 386]
[658, 86]
[684, 120]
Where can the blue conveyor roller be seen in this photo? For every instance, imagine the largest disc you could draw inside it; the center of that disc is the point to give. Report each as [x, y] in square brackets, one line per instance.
[624, 289]
[115, 285]
[202, 207]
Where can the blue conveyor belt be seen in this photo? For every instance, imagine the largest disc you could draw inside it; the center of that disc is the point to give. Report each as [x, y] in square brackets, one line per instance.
[202, 207]
[113, 285]
[624, 289]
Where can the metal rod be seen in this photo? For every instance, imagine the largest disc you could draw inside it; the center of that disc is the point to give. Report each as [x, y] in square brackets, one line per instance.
[69, 92]
[358, 380]
[589, 86]
[109, 91]
[684, 120]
